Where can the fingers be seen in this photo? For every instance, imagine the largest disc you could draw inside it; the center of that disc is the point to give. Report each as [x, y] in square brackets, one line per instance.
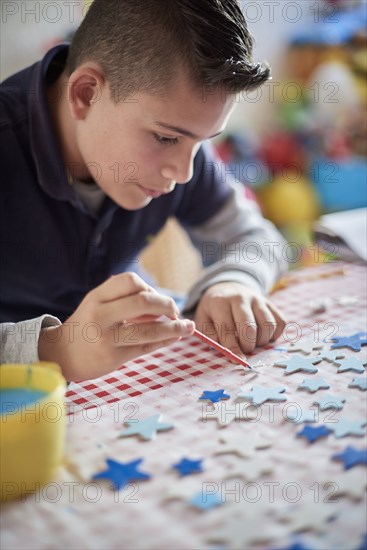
[223, 331]
[280, 320]
[246, 326]
[125, 312]
[125, 297]
[141, 305]
[243, 323]
[206, 325]
[265, 321]
[211, 329]
[143, 334]
[120, 286]
[261, 323]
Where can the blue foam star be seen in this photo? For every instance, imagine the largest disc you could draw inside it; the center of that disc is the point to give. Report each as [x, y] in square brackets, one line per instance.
[331, 355]
[298, 363]
[313, 433]
[120, 474]
[313, 384]
[300, 416]
[214, 396]
[359, 382]
[351, 457]
[364, 543]
[205, 501]
[348, 427]
[350, 363]
[328, 401]
[187, 466]
[354, 341]
[307, 346]
[146, 429]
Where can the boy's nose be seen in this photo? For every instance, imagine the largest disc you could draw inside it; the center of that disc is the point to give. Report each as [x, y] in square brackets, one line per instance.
[179, 169]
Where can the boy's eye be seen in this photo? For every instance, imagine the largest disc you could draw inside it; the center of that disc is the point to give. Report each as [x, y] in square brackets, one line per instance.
[165, 140]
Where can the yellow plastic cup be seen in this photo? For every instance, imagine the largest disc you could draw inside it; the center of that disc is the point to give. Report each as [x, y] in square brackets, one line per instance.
[31, 439]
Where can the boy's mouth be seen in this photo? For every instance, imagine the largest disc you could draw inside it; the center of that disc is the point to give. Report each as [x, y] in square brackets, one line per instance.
[150, 192]
[153, 192]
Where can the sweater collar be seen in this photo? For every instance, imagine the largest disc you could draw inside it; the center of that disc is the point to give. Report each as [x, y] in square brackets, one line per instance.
[51, 171]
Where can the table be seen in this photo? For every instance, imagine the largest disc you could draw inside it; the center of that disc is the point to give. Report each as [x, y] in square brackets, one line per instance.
[287, 491]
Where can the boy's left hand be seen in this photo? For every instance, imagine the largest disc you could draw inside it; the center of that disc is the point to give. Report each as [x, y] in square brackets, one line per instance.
[238, 317]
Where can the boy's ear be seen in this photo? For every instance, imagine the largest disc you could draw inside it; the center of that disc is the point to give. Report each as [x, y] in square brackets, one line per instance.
[85, 88]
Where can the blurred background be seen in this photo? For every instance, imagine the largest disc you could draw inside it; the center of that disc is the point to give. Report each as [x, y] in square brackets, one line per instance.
[298, 145]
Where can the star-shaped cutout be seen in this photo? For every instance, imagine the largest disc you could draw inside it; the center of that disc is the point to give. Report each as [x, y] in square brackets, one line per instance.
[298, 363]
[328, 401]
[299, 416]
[309, 515]
[331, 355]
[260, 394]
[225, 413]
[146, 429]
[205, 501]
[187, 466]
[313, 433]
[242, 531]
[314, 384]
[251, 469]
[243, 444]
[307, 346]
[349, 483]
[121, 474]
[345, 427]
[214, 396]
[354, 341]
[350, 363]
[351, 457]
[359, 382]
[180, 491]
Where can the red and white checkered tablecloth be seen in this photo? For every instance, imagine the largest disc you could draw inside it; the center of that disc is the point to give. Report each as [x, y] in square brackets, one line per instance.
[265, 498]
[190, 357]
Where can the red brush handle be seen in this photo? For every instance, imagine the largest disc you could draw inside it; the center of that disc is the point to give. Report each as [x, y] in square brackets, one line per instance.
[222, 349]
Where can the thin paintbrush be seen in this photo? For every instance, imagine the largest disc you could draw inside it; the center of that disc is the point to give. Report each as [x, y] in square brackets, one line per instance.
[225, 351]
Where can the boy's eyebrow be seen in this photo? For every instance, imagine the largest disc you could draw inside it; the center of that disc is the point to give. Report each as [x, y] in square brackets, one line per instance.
[182, 131]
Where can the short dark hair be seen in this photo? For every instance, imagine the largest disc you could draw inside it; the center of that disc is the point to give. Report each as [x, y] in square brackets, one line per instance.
[140, 44]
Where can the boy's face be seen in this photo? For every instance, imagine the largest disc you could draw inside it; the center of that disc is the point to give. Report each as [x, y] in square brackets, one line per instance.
[142, 147]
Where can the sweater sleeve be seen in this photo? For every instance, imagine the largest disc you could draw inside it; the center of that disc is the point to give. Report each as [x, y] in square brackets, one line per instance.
[19, 341]
[238, 245]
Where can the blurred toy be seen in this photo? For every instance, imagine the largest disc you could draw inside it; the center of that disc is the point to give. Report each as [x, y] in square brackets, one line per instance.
[279, 151]
[333, 92]
[289, 199]
[336, 144]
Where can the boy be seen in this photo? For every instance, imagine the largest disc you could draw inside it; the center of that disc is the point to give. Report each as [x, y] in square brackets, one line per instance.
[101, 143]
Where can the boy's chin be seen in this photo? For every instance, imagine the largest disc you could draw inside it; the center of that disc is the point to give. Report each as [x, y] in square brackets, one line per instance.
[130, 199]
[133, 204]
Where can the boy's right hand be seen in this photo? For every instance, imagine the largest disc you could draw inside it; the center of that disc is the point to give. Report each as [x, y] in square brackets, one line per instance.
[116, 322]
